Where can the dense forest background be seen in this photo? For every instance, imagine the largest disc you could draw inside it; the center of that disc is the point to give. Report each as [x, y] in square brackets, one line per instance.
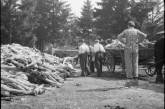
[36, 23]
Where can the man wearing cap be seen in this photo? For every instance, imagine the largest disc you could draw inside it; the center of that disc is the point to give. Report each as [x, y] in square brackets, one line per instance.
[99, 55]
[83, 55]
[131, 37]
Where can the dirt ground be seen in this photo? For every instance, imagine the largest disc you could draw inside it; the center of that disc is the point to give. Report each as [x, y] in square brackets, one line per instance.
[107, 92]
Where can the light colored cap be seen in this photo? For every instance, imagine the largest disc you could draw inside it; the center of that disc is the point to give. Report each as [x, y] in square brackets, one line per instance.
[97, 40]
[131, 23]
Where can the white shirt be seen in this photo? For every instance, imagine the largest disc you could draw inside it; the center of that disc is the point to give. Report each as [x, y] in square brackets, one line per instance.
[83, 48]
[98, 48]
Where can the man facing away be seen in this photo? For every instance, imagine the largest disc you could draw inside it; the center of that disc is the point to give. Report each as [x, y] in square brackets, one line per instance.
[99, 56]
[132, 38]
[159, 57]
[83, 55]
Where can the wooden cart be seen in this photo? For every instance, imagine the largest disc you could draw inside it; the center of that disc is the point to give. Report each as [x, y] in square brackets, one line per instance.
[116, 57]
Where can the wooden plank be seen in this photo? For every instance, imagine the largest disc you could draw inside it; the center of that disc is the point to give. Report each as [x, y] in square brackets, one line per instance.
[65, 50]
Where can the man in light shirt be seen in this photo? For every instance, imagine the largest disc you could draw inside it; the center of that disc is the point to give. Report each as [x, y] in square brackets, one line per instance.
[99, 55]
[131, 37]
[83, 55]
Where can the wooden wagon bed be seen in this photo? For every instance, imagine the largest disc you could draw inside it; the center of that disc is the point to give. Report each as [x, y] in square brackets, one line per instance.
[65, 52]
[116, 57]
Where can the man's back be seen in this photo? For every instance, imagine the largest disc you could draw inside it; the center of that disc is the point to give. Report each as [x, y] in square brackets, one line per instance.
[83, 48]
[98, 48]
[133, 37]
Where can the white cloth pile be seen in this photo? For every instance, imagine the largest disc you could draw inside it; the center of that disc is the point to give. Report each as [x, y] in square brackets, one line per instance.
[116, 44]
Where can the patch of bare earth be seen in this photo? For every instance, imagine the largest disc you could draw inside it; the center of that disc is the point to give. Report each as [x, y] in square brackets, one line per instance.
[95, 93]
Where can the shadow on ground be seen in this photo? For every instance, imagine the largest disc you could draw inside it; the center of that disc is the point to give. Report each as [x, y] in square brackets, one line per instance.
[115, 76]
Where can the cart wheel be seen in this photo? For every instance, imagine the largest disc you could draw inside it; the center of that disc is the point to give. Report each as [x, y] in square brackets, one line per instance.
[150, 71]
[110, 62]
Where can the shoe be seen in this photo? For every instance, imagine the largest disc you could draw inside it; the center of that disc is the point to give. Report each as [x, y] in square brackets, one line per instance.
[82, 74]
[159, 81]
[98, 75]
[131, 83]
[128, 84]
[135, 83]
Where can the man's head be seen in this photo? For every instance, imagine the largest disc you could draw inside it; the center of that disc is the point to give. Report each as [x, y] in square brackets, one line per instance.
[81, 41]
[131, 24]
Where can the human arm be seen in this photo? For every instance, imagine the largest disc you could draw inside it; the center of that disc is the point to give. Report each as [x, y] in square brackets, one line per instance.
[142, 36]
[121, 36]
[102, 48]
[87, 49]
[80, 49]
[94, 49]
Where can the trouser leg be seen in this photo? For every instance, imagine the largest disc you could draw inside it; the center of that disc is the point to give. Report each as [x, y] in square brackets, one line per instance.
[92, 66]
[159, 76]
[100, 65]
[128, 63]
[93, 63]
[81, 64]
[97, 64]
[88, 64]
[99, 68]
[135, 64]
[83, 61]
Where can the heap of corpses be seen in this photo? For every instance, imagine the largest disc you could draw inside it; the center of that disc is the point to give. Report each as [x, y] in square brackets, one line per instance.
[116, 44]
[27, 71]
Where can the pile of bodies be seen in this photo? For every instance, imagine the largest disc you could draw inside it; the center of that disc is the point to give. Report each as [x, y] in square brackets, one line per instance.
[116, 44]
[27, 71]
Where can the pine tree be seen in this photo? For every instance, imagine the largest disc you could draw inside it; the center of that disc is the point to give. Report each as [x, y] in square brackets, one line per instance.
[86, 20]
[8, 20]
[52, 17]
[111, 17]
[31, 19]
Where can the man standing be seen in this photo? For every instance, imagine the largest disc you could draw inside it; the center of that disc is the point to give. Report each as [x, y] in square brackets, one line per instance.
[159, 57]
[83, 55]
[132, 38]
[51, 48]
[99, 55]
[33, 41]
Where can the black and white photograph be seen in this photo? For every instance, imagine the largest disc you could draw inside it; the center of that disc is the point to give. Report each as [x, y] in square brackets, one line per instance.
[82, 54]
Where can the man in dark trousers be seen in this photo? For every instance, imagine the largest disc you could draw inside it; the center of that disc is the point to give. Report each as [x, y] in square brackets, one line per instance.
[99, 56]
[159, 57]
[83, 56]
